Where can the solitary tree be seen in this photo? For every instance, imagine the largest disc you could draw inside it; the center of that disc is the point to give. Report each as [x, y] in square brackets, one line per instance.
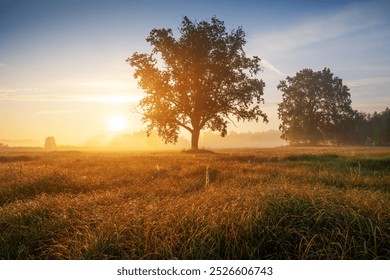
[50, 143]
[200, 80]
[313, 107]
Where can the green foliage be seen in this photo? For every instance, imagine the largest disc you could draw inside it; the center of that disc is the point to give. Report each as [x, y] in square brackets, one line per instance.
[295, 203]
[379, 127]
[313, 107]
[365, 129]
[197, 81]
[311, 157]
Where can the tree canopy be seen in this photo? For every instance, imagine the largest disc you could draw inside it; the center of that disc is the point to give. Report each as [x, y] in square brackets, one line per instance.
[199, 80]
[314, 107]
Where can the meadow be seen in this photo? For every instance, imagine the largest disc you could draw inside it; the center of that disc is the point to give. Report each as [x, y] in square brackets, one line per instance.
[277, 203]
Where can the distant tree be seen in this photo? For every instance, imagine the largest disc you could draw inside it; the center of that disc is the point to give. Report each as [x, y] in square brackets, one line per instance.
[379, 127]
[314, 106]
[387, 126]
[50, 143]
[197, 81]
[3, 146]
[353, 130]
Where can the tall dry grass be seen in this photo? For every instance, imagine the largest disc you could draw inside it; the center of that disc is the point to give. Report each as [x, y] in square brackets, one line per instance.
[259, 204]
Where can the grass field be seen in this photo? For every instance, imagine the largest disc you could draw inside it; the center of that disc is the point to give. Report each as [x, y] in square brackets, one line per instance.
[284, 203]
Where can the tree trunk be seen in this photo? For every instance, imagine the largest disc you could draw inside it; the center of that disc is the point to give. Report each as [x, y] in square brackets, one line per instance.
[195, 140]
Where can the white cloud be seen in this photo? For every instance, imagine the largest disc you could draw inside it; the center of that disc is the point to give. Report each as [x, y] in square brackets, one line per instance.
[107, 85]
[57, 112]
[116, 99]
[372, 81]
[271, 67]
[88, 96]
[377, 105]
[319, 29]
[351, 41]
[32, 95]
[370, 94]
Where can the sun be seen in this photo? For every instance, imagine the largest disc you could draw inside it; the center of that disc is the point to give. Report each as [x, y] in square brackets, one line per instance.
[117, 123]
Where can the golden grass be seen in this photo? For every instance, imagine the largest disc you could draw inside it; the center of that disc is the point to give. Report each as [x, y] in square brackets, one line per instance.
[296, 203]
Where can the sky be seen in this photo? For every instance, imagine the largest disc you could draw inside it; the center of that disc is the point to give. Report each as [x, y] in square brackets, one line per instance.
[63, 71]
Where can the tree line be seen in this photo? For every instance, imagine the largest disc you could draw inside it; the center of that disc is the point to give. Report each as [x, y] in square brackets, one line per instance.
[316, 109]
[367, 129]
[203, 79]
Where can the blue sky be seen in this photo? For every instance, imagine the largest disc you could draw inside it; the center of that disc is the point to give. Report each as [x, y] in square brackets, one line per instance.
[63, 70]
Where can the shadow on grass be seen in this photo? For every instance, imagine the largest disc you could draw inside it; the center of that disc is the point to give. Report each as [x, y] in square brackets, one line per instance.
[52, 183]
[9, 159]
[198, 152]
[308, 157]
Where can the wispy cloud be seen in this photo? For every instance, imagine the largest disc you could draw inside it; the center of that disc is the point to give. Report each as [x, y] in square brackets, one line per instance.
[352, 41]
[373, 82]
[377, 105]
[32, 95]
[352, 19]
[113, 85]
[80, 95]
[57, 112]
[3, 65]
[370, 94]
[115, 99]
[271, 67]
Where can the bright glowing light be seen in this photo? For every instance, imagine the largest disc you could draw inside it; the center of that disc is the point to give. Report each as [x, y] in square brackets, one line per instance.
[116, 99]
[117, 123]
